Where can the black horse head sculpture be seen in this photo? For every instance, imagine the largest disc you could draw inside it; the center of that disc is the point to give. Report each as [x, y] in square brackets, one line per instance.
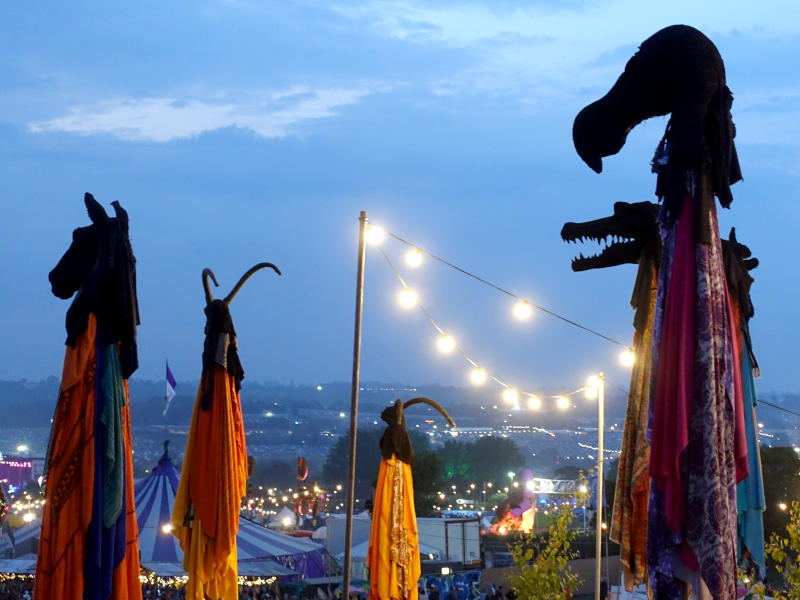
[220, 346]
[99, 265]
[677, 70]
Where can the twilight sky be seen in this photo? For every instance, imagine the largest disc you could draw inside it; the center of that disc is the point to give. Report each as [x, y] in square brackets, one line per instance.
[241, 131]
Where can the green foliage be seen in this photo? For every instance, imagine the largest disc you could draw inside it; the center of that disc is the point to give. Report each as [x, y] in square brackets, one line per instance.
[427, 469]
[542, 574]
[481, 460]
[427, 472]
[780, 467]
[785, 551]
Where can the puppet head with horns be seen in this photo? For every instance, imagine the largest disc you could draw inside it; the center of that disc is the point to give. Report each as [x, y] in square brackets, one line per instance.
[99, 265]
[220, 344]
[676, 71]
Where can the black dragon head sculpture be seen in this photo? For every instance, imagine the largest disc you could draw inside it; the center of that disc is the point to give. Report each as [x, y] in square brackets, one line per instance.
[625, 236]
[676, 71]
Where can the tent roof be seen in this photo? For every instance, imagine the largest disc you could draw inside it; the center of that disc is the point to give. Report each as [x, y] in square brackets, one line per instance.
[155, 497]
[20, 566]
[247, 568]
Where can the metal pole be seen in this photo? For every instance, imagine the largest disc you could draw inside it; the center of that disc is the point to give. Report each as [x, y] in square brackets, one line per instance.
[351, 473]
[599, 498]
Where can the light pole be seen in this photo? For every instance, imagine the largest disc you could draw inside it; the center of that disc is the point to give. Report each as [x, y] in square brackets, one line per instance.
[601, 384]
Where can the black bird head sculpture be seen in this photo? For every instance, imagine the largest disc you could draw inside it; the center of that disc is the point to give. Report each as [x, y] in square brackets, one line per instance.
[676, 71]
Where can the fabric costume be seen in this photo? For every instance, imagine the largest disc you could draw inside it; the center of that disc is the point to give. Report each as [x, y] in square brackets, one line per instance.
[88, 547]
[213, 481]
[696, 425]
[393, 554]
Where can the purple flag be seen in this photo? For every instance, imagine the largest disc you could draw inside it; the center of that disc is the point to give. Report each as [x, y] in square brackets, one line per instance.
[170, 393]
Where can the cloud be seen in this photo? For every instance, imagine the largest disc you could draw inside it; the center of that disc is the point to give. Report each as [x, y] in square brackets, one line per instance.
[518, 49]
[161, 119]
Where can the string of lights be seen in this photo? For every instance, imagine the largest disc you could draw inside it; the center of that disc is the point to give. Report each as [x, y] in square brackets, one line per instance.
[375, 235]
[522, 310]
[447, 344]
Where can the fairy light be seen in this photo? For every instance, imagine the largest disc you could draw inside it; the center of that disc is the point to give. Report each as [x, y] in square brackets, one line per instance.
[408, 298]
[375, 234]
[523, 310]
[414, 258]
[627, 358]
[446, 344]
[478, 376]
[510, 396]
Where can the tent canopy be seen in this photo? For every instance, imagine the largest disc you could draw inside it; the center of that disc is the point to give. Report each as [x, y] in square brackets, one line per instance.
[155, 497]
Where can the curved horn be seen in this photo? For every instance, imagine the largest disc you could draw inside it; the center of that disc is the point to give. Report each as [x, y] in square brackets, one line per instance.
[247, 276]
[206, 274]
[435, 405]
[398, 405]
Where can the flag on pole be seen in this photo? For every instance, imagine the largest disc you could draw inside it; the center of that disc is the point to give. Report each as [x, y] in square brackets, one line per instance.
[170, 392]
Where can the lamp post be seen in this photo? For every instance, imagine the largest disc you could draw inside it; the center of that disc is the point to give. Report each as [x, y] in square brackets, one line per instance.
[351, 474]
[601, 384]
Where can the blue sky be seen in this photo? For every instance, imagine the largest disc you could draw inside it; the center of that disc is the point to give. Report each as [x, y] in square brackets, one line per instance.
[235, 132]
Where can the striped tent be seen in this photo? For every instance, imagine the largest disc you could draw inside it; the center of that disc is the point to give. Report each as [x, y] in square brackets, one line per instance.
[155, 496]
[21, 541]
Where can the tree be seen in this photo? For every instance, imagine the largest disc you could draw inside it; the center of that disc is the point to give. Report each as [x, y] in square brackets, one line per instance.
[368, 458]
[543, 574]
[779, 469]
[427, 472]
[481, 460]
[785, 551]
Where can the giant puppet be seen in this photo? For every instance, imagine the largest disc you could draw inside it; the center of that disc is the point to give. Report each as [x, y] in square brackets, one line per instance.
[89, 547]
[205, 517]
[695, 418]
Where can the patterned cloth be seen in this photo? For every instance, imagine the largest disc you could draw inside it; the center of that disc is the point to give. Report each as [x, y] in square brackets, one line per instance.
[80, 558]
[393, 555]
[629, 517]
[696, 420]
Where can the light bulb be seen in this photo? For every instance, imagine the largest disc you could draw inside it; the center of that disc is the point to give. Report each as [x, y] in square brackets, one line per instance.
[407, 298]
[562, 402]
[510, 395]
[414, 257]
[534, 403]
[166, 527]
[446, 344]
[478, 376]
[590, 391]
[627, 358]
[375, 234]
[523, 310]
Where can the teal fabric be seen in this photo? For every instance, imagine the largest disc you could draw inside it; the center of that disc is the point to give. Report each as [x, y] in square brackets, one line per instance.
[114, 456]
[750, 492]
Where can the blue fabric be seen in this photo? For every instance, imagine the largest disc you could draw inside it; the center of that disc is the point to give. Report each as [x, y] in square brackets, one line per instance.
[750, 492]
[105, 546]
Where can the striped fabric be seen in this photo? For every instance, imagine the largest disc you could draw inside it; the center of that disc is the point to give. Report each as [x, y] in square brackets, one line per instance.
[155, 496]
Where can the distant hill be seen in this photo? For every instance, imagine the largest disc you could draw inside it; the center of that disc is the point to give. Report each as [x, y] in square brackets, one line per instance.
[31, 403]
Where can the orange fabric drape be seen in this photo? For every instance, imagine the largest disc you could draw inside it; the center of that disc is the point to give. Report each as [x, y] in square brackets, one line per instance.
[67, 512]
[631, 496]
[205, 517]
[393, 555]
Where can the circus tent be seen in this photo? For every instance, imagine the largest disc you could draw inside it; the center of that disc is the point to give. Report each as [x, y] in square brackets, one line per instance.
[155, 496]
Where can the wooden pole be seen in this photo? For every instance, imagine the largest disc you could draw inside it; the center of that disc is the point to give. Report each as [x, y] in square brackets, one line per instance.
[351, 473]
[599, 498]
